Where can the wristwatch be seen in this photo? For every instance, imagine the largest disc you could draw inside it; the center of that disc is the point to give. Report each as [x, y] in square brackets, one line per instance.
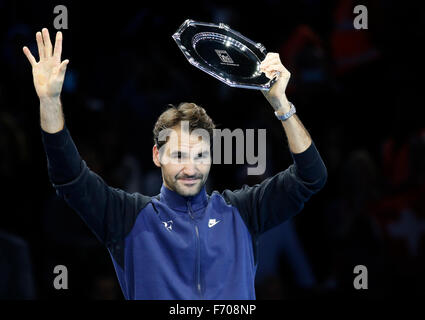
[287, 115]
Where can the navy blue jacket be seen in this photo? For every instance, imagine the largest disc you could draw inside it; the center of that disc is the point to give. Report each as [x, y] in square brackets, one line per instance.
[174, 247]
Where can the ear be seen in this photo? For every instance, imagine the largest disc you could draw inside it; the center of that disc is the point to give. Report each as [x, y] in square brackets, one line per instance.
[155, 156]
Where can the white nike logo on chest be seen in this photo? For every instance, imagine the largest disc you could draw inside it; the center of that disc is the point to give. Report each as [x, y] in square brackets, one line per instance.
[212, 222]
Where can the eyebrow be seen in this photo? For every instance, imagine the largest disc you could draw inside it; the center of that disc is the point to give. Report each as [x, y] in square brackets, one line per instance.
[174, 153]
[204, 152]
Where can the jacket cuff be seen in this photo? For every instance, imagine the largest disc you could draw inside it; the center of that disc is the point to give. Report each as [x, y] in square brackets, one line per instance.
[56, 140]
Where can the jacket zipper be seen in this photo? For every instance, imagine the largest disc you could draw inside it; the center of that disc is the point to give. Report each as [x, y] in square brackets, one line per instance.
[198, 255]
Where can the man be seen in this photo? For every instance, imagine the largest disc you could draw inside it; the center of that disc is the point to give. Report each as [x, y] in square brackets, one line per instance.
[182, 243]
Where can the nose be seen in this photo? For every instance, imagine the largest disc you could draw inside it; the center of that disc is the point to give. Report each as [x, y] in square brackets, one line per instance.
[189, 169]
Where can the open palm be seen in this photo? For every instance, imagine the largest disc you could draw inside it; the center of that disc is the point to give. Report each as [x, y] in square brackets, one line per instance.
[49, 71]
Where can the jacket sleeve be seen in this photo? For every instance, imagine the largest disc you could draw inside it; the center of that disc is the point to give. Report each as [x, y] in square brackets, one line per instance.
[282, 196]
[109, 212]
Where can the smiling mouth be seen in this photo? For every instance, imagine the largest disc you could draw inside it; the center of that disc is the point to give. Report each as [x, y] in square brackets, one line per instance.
[189, 181]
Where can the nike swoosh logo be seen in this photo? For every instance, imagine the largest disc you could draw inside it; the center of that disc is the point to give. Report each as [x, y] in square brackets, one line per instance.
[212, 224]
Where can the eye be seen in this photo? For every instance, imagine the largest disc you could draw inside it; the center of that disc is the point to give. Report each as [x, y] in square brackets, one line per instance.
[202, 155]
[177, 155]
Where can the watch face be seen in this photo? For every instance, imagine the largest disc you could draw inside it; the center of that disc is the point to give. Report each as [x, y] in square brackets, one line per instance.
[223, 53]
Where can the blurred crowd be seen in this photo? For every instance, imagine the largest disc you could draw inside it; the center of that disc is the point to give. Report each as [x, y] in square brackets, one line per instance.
[358, 93]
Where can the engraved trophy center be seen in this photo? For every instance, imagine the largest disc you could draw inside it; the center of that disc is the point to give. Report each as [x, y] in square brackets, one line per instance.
[225, 57]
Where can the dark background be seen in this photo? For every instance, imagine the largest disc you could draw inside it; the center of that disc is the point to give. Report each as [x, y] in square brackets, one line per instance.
[358, 92]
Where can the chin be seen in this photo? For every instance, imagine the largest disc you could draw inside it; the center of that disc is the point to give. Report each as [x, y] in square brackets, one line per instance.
[189, 191]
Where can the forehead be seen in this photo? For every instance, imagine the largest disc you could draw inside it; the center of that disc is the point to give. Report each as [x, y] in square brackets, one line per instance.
[182, 139]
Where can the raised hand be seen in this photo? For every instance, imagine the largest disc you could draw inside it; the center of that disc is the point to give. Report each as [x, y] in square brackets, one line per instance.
[272, 66]
[49, 71]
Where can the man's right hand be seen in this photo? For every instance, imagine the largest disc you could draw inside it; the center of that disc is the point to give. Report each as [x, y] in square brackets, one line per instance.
[48, 75]
[49, 72]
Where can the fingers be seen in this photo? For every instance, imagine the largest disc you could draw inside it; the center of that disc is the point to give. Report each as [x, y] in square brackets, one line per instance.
[62, 69]
[272, 66]
[269, 62]
[40, 45]
[271, 58]
[47, 43]
[274, 72]
[58, 46]
[29, 56]
[271, 55]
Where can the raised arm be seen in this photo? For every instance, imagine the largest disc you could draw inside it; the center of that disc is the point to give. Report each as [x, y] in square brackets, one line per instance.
[282, 196]
[298, 137]
[109, 212]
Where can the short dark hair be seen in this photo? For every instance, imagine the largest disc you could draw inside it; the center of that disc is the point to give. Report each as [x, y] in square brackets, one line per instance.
[185, 111]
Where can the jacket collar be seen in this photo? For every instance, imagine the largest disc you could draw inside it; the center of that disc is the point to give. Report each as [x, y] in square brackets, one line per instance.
[181, 203]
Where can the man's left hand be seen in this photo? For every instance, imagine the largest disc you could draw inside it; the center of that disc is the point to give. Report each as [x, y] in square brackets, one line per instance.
[276, 96]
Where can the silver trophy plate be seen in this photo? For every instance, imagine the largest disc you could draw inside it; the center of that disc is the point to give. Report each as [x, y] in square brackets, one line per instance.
[224, 54]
